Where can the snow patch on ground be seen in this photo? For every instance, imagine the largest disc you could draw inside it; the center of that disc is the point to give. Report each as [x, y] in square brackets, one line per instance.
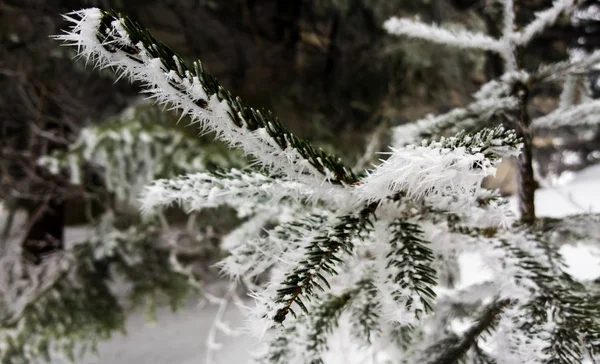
[175, 338]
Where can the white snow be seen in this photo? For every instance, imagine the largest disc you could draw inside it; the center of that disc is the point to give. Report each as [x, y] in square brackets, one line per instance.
[175, 338]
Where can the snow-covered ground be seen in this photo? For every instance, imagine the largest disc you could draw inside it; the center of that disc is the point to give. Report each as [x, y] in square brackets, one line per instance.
[175, 338]
[180, 338]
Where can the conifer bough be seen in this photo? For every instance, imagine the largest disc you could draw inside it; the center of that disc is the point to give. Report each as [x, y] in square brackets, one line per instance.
[113, 41]
[376, 247]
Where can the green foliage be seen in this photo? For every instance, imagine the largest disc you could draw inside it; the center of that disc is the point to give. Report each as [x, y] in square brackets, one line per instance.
[79, 308]
[560, 303]
[240, 115]
[454, 348]
[365, 309]
[320, 257]
[323, 320]
[412, 259]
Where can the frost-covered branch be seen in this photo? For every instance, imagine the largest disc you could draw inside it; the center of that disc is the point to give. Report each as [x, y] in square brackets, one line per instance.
[379, 248]
[323, 320]
[408, 263]
[476, 114]
[253, 257]
[119, 43]
[244, 191]
[432, 33]
[439, 172]
[584, 114]
[68, 306]
[365, 311]
[545, 19]
[321, 256]
[454, 348]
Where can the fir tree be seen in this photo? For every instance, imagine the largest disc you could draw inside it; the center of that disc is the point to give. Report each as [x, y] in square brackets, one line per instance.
[368, 246]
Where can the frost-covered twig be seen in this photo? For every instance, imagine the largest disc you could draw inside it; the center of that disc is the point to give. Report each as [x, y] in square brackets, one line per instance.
[132, 149]
[111, 41]
[244, 191]
[455, 348]
[408, 263]
[545, 19]
[212, 345]
[585, 114]
[22, 283]
[320, 258]
[432, 33]
[477, 113]
[439, 172]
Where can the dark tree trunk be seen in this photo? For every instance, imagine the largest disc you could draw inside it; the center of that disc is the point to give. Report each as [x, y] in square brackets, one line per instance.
[526, 181]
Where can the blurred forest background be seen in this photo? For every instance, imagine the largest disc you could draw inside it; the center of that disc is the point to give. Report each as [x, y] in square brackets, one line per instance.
[326, 68]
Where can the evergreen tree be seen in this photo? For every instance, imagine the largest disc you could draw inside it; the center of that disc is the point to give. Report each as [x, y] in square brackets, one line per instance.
[370, 247]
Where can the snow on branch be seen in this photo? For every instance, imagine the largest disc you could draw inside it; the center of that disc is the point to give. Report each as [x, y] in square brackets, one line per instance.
[441, 171]
[585, 114]
[577, 65]
[306, 339]
[432, 33]
[454, 347]
[365, 311]
[410, 277]
[320, 257]
[323, 320]
[476, 113]
[119, 43]
[247, 192]
[544, 19]
[22, 283]
[573, 229]
[253, 257]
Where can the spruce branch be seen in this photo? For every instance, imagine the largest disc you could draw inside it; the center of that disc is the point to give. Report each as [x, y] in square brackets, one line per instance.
[73, 312]
[561, 311]
[446, 174]
[365, 310]
[320, 257]
[252, 258]
[572, 229]
[323, 320]
[409, 262]
[585, 114]
[476, 115]
[453, 349]
[243, 190]
[545, 19]
[307, 336]
[133, 148]
[279, 349]
[432, 33]
[118, 42]
[574, 66]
